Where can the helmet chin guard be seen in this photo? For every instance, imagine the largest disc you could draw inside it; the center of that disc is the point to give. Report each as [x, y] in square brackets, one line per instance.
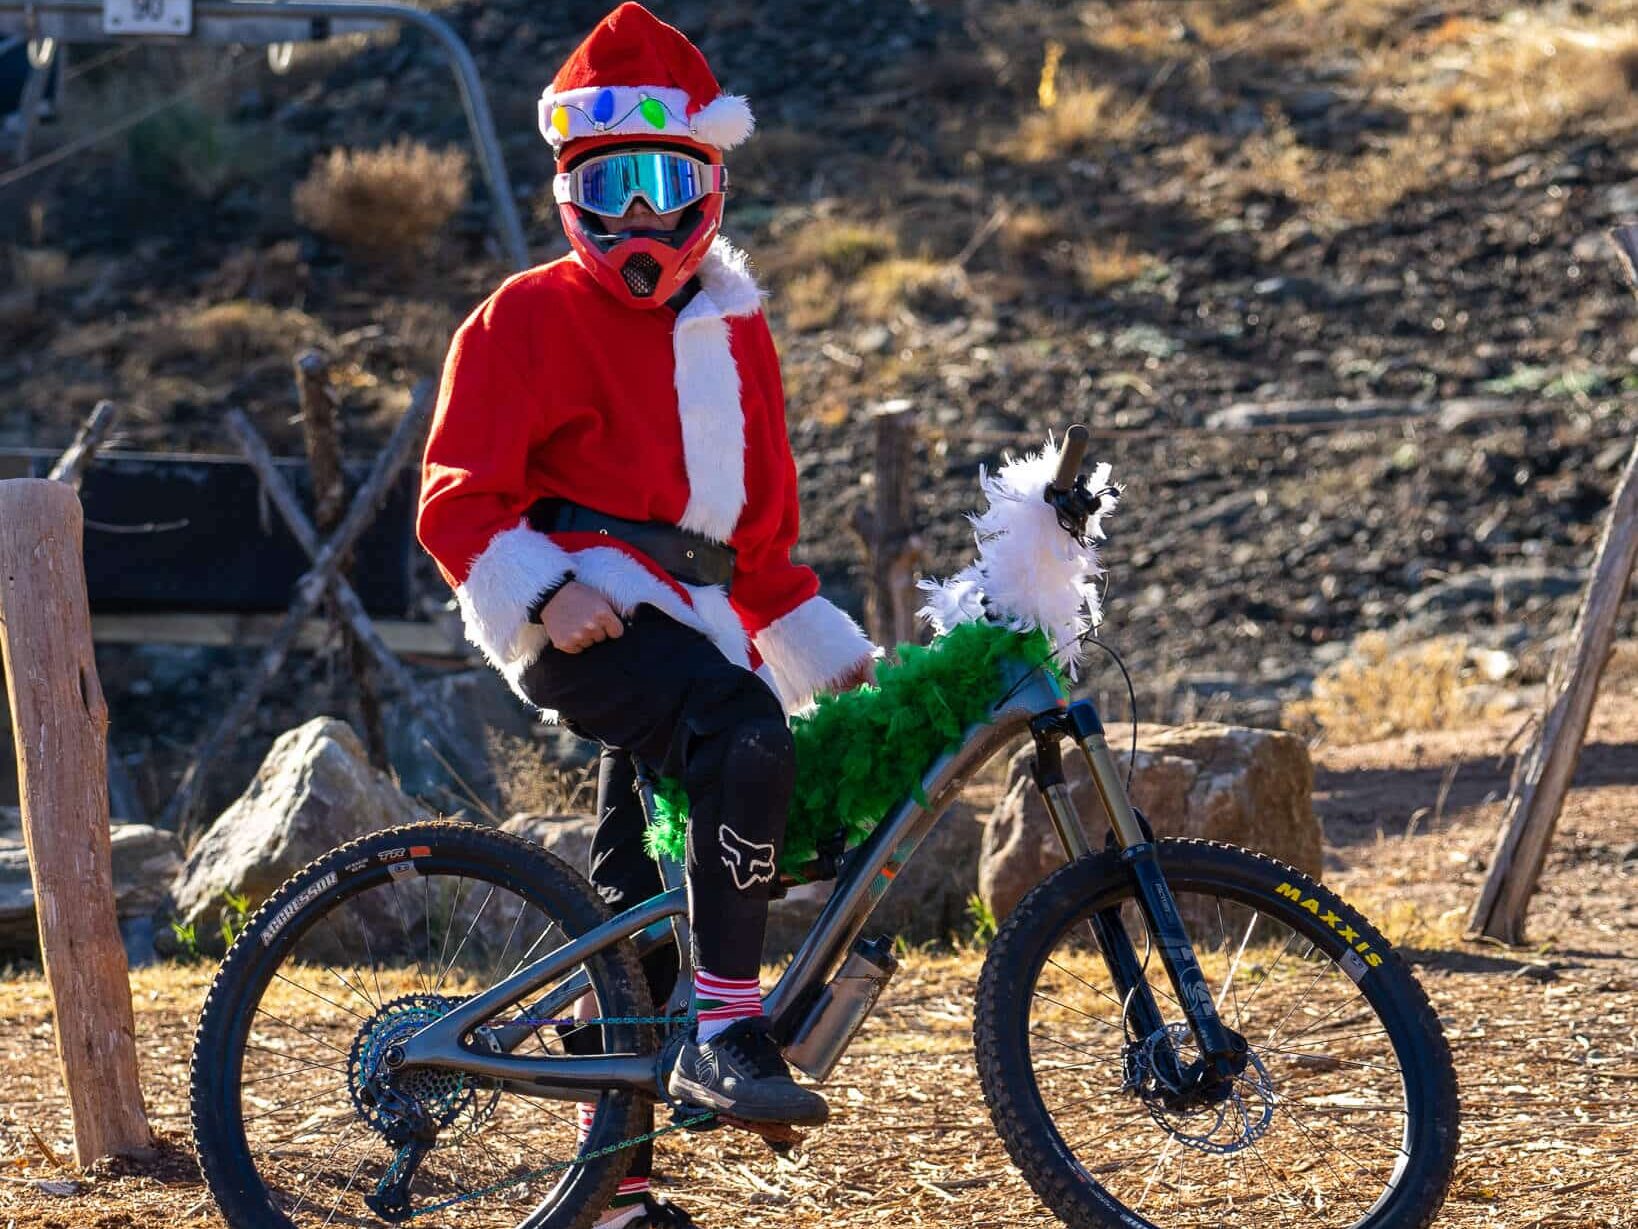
[643, 268]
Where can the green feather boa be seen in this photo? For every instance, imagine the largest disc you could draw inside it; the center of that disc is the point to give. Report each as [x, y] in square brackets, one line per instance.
[860, 753]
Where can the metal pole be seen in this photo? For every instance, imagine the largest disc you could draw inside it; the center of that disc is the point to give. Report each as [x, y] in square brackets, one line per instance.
[321, 13]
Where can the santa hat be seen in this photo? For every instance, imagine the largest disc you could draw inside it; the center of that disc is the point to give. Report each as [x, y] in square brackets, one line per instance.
[634, 75]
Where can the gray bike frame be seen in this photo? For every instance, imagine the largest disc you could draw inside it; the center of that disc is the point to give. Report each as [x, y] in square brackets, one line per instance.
[1032, 694]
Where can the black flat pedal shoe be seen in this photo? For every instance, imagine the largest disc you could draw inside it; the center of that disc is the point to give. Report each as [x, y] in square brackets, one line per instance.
[658, 1214]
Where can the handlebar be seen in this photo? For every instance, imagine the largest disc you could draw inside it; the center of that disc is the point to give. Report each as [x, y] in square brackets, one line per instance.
[1076, 440]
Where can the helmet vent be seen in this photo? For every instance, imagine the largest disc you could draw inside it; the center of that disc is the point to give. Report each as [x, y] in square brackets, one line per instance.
[641, 274]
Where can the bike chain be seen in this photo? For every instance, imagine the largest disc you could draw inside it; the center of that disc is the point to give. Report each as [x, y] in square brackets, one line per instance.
[556, 1166]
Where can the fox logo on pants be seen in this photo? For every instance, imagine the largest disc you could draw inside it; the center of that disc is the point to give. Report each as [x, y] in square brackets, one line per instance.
[750, 863]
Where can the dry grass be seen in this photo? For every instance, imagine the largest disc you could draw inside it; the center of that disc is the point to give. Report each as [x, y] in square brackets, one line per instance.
[1473, 93]
[1381, 690]
[1080, 117]
[385, 203]
[245, 330]
[1101, 267]
[527, 781]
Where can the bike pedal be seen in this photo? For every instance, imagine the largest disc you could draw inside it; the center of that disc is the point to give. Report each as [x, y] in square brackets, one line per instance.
[780, 1137]
[695, 1118]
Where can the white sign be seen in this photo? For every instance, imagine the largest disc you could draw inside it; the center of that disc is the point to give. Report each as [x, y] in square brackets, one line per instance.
[147, 16]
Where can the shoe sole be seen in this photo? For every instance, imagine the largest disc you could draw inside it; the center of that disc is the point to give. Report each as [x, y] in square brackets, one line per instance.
[684, 1089]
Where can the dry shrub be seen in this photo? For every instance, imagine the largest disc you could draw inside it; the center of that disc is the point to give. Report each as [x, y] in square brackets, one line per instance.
[527, 781]
[1080, 116]
[826, 245]
[819, 299]
[810, 301]
[383, 203]
[245, 330]
[1026, 232]
[1380, 690]
[921, 285]
[1099, 268]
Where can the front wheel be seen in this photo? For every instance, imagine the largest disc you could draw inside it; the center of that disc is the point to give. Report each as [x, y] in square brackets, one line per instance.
[1343, 1113]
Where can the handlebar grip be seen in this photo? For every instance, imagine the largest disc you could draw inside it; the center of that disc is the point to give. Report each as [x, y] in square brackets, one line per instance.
[1069, 461]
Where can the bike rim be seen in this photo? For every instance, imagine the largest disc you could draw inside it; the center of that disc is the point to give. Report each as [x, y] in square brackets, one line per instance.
[1317, 1130]
[381, 955]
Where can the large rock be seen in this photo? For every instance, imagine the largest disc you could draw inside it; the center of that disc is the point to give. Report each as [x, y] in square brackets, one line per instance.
[568, 836]
[314, 791]
[145, 860]
[1249, 787]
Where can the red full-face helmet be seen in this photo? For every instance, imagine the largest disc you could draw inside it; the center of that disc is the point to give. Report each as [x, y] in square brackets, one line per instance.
[603, 176]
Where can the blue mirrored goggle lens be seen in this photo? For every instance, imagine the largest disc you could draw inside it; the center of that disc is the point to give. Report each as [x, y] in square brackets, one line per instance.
[666, 181]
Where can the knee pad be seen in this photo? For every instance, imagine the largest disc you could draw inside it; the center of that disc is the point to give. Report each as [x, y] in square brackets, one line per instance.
[730, 715]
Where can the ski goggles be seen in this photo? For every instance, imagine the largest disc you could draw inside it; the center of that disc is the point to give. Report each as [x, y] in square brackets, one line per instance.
[667, 181]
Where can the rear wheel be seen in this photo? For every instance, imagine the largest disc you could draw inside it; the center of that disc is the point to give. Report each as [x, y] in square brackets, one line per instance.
[1344, 1112]
[294, 1121]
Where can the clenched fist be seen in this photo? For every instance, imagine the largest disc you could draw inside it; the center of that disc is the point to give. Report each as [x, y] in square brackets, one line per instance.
[578, 616]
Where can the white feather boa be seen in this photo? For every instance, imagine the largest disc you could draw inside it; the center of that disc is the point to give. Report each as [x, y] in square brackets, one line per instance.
[1029, 573]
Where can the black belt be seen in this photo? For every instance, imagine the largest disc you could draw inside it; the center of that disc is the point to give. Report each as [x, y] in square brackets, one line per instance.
[690, 557]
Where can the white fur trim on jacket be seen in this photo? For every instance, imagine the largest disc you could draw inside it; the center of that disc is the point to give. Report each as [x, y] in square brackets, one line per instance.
[811, 648]
[708, 393]
[507, 576]
[1029, 571]
[519, 563]
[724, 122]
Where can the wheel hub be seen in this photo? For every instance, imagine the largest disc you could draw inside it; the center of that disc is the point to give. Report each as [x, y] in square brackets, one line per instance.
[1197, 1107]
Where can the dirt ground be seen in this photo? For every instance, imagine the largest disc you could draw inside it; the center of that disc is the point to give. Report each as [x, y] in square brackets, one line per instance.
[1546, 1037]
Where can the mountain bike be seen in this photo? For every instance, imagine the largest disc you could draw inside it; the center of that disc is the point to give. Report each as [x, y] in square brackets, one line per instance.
[1168, 1033]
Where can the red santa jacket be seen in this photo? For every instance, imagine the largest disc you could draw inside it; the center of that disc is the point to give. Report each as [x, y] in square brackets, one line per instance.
[554, 388]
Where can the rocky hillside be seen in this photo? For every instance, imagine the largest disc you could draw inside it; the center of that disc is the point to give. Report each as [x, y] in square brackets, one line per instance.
[1191, 225]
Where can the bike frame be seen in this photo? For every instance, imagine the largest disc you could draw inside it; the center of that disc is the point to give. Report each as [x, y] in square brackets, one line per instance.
[1034, 702]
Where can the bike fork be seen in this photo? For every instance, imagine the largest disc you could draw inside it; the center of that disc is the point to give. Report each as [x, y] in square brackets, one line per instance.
[1219, 1047]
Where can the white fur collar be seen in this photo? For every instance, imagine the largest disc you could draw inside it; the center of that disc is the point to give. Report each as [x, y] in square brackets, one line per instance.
[727, 287]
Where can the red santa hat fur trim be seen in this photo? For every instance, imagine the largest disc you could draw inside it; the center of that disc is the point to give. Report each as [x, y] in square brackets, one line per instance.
[634, 75]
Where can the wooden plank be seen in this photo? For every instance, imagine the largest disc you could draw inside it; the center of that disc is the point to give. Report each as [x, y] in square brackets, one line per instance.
[240, 630]
[1549, 766]
[60, 725]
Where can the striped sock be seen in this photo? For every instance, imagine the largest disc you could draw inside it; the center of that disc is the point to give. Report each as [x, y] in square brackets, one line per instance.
[626, 1206]
[719, 1001]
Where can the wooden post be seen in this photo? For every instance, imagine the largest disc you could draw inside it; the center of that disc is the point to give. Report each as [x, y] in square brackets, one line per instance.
[891, 546]
[322, 435]
[1547, 769]
[71, 466]
[60, 726]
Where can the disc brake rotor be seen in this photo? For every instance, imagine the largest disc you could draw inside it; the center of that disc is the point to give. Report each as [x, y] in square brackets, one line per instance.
[1228, 1119]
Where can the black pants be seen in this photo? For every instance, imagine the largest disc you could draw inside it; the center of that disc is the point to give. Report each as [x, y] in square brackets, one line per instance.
[663, 693]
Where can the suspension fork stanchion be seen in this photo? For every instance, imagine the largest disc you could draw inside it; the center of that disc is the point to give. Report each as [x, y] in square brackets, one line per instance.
[1138, 851]
[1137, 997]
